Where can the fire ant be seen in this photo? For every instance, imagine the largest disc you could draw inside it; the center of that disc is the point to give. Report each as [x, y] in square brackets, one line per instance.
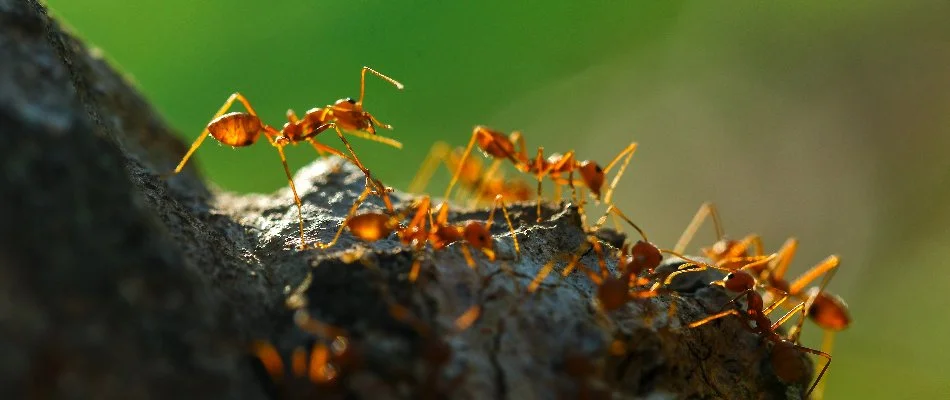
[481, 182]
[436, 352]
[785, 357]
[240, 129]
[373, 226]
[613, 291]
[496, 145]
[826, 310]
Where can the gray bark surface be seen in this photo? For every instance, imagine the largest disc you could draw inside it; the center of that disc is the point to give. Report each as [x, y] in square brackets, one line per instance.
[118, 284]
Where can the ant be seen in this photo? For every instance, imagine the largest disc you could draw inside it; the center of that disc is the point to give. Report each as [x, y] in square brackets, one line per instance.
[496, 145]
[826, 310]
[240, 129]
[785, 357]
[373, 226]
[613, 291]
[480, 181]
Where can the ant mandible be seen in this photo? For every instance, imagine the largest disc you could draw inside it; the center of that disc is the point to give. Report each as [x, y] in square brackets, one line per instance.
[479, 181]
[785, 358]
[240, 129]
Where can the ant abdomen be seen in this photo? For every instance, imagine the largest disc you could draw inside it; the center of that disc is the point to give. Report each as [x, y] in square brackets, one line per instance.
[236, 129]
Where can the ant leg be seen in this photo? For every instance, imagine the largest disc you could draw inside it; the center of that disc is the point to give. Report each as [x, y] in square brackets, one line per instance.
[204, 133]
[777, 270]
[293, 188]
[500, 203]
[826, 344]
[823, 369]
[768, 310]
[349, 214]
[467, 318]
[377, 138]
[319, 363]
[468, 256]
[383, 77]
[713, 318]
[799, 308]
[629, 150]
[542, 273]
[322, 149]
[380, 190]
[611, 209]
[438, 153]
[458, 169]
[827, 267]
[488, 176]
[414, 271]
[708, 209]
[270, 358]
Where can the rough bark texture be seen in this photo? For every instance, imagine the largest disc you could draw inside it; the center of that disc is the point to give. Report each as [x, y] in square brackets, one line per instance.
[115, 283]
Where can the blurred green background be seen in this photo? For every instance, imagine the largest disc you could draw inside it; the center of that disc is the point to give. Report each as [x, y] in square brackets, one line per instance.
[829, 121]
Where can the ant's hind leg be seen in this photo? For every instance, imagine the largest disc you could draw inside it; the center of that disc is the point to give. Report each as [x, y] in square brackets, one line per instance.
[437, 154]
[293, 188]
[204, 133]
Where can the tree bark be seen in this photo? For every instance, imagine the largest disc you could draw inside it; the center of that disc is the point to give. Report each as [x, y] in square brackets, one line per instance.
[116, 283]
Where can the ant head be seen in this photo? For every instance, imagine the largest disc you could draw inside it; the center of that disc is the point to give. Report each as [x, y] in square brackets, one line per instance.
[787, 362]
[738, 281]
[477, 235]
[828, 311]
[646, 255]
[593, 176]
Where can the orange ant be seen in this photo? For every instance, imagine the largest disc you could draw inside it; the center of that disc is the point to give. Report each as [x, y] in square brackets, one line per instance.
[436, 352]
[481, 182]
[613, 291]
[373, 226]
[785, 357]
[826, 310]
[496, 145]
[240, 129]
[310, 373]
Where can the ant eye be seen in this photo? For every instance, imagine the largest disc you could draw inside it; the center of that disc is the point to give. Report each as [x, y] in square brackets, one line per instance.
[350, 100]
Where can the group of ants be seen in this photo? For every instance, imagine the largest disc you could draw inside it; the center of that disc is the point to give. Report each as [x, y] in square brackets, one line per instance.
[755, 276]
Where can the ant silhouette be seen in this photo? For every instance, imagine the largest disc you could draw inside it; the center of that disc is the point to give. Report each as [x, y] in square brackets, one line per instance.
[785, 357]
[240, 129]
[497, 146]
[479, 181]
[373, 226]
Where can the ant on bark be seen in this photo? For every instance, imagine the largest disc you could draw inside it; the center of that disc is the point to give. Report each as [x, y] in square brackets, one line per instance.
[373, 226]
[828, 311]
[786, 353]
[240, 129]
[497, 146]
[479, 181]
[613, 291]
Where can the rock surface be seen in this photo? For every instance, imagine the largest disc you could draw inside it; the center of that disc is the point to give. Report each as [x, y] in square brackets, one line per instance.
[115, 283]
